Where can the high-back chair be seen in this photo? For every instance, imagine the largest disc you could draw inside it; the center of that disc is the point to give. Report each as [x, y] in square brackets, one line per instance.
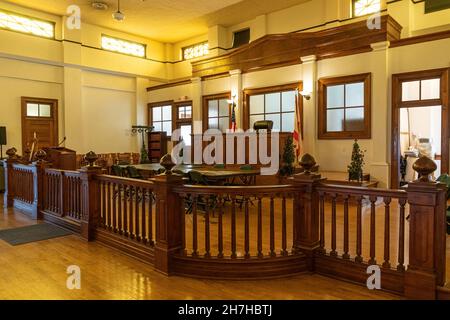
[134, 173]
[117, 170]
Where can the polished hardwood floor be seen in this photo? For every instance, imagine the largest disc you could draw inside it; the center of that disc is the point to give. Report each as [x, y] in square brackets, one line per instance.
[38, 271]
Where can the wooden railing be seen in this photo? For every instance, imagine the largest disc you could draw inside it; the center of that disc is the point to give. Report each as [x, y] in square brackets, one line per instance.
[224, 232]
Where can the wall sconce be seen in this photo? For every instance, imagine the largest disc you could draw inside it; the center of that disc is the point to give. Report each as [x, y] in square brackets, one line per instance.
[305, 94]
[232, 101]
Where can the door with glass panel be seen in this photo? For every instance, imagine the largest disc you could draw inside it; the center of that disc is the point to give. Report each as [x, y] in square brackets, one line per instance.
[419, 123]
[39, 123]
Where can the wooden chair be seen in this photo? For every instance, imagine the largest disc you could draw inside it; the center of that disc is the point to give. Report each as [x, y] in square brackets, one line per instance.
[133, 173]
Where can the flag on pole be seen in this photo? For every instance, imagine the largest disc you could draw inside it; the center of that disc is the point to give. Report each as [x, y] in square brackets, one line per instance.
[233, 118]
[297, 135]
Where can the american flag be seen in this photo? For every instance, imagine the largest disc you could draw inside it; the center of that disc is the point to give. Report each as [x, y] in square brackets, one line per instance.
[233, 126]
[297, 135]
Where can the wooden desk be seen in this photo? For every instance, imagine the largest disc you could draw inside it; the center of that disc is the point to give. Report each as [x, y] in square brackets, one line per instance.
[335, 177]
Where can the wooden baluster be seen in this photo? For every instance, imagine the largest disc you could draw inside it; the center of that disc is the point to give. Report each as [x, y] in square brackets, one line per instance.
[246, 229]
[125, 211]
[333, 252]
[103, 212]
[220, 228]
[131, 227]
[78, 202]
[144, 216]
[322, 222]
[183, 222]
[108, 185]
[194, 228]
[272, 252]
[283, 228]
[358, 257]
[346, 255]
[119, 208]
[260, 234]
[136, 214]
[401, 236]
[207, 233]
[150, 218]
[233, 227]
[114, 202]
[387, 232]
[372, 259]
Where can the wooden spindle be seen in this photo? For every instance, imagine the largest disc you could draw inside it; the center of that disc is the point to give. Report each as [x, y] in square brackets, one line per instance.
[233, 227]
[183, 222]
[144, 216]
[246, 229]
[333, 252]
[272, 252]
[131, 227]
[194, 228]
[322, 222]
[260, 234]
[283, 228]
[358, 257]
[401, 236]
[387, 230]
[137, 232]
[114, 202]
[150, 218]
[125, 211]
[110, 224]
[207, 233]
[372, 259]
[103, 193]
[220, 228]
[346, 255]
[119, 208]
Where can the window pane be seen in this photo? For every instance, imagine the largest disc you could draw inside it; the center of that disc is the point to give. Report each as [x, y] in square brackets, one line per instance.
[213, 123]
[354, 94]
[410, 91]
[181, 113]
[223, 107]
[288, 101]
[44, 110]
[32, 110]
[167, 127]
[213, 108]
[354, 119]
[257, 104]
[157, 126]
[224, 124]
[335, 120]
[186, 134]
[273, 102]
[253, 119]
[276, 121]
[287, 122]
[189, 112]
[167, 113]
[156, 114]
[335, 96]
[431, 89]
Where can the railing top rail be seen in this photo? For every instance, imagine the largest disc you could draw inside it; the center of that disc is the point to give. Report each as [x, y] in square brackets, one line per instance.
[253, 190]
[123, 180]
[53, 170]
[23, 166]
[362, 191]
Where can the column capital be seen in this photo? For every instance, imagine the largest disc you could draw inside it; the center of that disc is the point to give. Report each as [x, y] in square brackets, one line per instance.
[380, 46]
[309, 59]
[235, 72]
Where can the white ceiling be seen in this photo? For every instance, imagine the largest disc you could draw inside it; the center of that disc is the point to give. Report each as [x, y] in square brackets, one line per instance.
[165, 20]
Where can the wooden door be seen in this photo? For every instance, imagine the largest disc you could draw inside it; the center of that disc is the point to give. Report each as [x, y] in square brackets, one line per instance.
[40, 120]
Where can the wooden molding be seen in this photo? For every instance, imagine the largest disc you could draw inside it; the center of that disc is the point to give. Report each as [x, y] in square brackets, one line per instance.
[272, 51]
[422, 38]
[169, 85]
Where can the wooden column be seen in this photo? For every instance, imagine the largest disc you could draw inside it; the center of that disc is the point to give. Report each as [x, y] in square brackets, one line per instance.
[306, 214]
[89, 197]
[427, 233]
[8, 196]
[38, 187]
[168, 220]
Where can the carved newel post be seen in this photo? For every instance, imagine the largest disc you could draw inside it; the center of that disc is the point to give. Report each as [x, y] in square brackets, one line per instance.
[306, 214]
[89, 197]
[169, 215]
[38, 180]
[427, 233]
[8, 196]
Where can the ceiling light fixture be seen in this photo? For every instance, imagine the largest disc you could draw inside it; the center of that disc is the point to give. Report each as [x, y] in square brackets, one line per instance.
[119, 16]
[99, 5]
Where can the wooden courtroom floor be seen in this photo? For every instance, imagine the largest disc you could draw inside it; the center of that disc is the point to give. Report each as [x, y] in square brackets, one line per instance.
[38, 271]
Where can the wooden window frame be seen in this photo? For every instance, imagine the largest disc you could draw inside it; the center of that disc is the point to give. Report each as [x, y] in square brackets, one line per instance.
[322, 108]
[206, 99]
[152, 105]
[397, 104]
[298, 86]
[354, 13]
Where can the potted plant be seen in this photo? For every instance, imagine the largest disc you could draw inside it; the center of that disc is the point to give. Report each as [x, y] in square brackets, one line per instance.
[288, 158]
[355, 169]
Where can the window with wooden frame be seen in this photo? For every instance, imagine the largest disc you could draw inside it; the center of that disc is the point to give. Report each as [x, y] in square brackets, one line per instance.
[364, 7]
[217, 112]
[183, 120]
[345, 107]
[277, 104]
[160, 116]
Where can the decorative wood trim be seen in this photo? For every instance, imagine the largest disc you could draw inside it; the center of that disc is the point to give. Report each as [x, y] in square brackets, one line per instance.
[420, 39]
[169, 85]
[62, 222]
[286, 87]
[273, 51]
[225, 95]
[397, 80]
[322, 111]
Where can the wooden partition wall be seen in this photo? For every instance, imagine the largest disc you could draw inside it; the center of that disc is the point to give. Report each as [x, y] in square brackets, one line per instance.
[225, 232]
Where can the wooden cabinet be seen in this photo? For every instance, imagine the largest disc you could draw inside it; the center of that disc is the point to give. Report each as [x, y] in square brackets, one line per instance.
[61, 158]
[157, 145]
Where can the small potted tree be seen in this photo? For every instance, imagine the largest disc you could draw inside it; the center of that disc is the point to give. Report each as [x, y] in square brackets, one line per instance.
[355, 169]
[287, 168]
